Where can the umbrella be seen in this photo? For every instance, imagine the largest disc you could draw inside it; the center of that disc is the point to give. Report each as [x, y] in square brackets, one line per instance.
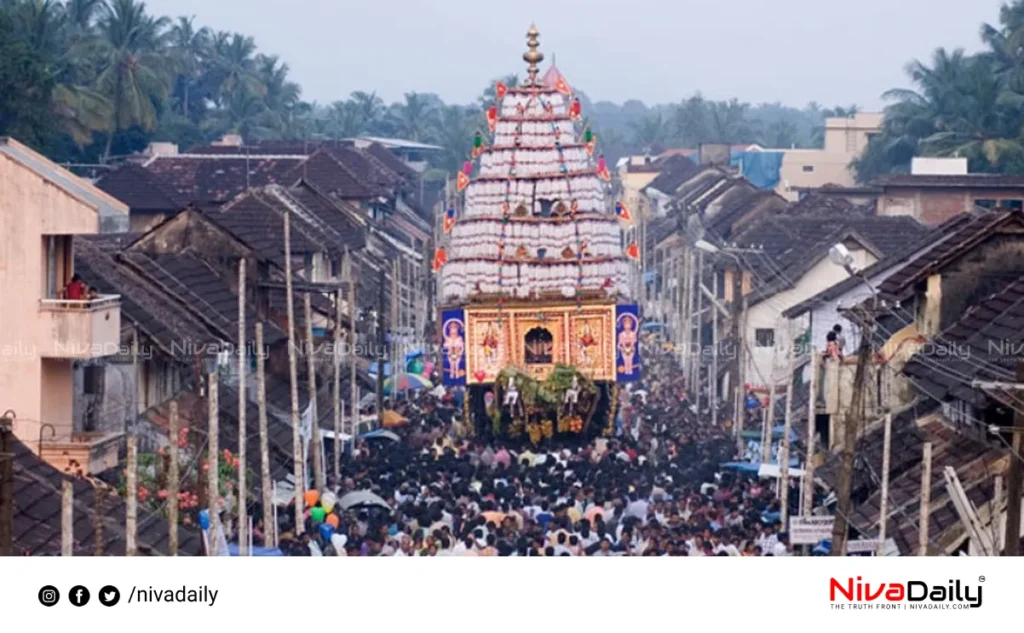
[362, 499]
[392, 418]
[407, 382]
[380, 434]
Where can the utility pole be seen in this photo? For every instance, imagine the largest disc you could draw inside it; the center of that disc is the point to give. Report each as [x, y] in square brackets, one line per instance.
[243, 433]
[293, 376]
[67, 517]
[213, 461]
[926, 500]
[173, 483]
[1014, 479]
[741, 373]
[266, 485]
[713, 378]
[852, 421]
[381, 346]
[6, 484]
[769, 417]
[784, 450]
[699, 297]
[691, 272]
[131, 497]
[353, 349]
[737, 303]
[336, 357]
[883, 504]
[315, 444]
[812, 412]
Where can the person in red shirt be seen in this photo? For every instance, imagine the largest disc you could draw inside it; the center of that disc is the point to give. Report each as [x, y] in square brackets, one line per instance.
[75, 291]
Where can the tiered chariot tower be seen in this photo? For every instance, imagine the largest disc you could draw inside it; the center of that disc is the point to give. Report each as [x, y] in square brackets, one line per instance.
[533, 269]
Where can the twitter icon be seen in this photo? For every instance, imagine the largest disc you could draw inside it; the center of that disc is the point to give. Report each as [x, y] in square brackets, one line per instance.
[109, 596]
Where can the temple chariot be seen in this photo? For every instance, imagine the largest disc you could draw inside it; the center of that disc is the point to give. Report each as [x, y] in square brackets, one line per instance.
[537, 322]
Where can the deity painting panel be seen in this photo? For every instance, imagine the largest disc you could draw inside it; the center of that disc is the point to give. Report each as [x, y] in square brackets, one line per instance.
[591, 343]
[627, 343]
[453, 328]
[488, 347]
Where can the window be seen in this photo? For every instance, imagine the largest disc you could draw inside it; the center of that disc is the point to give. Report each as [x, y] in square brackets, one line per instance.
[59, 264]
[985, 203]
[92, 380]
[808, 168]
[764, 337]
[539, 347]
[1013, 205]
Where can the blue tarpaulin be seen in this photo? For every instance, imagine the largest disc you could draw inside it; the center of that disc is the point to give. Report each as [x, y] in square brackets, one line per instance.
[256, 551]
[762, 169]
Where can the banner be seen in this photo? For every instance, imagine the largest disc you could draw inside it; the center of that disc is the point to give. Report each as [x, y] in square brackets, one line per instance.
[627, 343]
[453, 342]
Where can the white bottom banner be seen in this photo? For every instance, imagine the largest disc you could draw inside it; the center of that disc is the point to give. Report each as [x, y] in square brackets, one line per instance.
[614, 594]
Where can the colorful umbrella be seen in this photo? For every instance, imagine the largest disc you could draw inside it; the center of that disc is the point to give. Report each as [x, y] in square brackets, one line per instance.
[407, 382]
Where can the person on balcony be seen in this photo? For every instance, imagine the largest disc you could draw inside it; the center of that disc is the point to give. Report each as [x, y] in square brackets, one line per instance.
[76, 290]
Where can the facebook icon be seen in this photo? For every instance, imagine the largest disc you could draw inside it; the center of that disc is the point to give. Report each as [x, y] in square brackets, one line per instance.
[79, 596]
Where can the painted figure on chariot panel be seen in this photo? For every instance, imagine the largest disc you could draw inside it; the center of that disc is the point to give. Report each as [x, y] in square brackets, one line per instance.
[454, 347]
[587, 346]
[490, 344]
[627, 336]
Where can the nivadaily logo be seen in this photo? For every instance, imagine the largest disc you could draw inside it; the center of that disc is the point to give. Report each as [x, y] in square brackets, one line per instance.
[913, 594]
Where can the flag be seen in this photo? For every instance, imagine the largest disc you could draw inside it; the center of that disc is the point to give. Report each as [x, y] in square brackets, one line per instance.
[575, 110]
[633, 251]
[499, 90]
[623, 212]
[449, 220]
[461, 181]
[440, 259]
[492, 118]
[562, 86]
[591, 144]
[602, 171]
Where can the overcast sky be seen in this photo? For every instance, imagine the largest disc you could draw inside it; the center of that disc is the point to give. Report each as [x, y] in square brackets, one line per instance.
[794, 51]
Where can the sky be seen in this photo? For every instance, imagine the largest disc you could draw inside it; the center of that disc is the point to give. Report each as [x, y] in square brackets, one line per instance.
[658, 51]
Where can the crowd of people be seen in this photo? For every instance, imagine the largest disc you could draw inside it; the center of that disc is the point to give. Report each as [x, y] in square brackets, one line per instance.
[656, 488]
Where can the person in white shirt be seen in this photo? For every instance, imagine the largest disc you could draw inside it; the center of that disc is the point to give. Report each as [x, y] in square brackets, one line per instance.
[781, 547]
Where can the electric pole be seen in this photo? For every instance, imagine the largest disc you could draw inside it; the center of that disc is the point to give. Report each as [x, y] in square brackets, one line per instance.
[1013, 482]
[852, 421]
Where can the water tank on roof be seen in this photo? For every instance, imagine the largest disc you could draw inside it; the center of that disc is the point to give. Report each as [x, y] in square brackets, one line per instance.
[938, 167]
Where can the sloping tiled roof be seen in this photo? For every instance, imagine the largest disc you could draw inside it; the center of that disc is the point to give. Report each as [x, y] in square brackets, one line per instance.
[141, 190]
[162, 319]
[789, 244]
[816, 204]
[966, 231]
[675, 170]
[986, 339]
[975, 464]
[196, 285]
[325, 172]
[392, 162]
[259, 223]
[217, 179]
[928, 241]
[37, 492]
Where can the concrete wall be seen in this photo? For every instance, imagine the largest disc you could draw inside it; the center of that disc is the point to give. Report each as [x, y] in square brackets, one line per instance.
[934, 205]
[768, 315]
[31, 207]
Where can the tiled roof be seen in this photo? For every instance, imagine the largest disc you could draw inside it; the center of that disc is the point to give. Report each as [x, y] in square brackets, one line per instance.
[392, 162]
[790, 246]
[162, 319]
[342, 222]
[141, 190]
[206, 179]
[325, 172]
[258, 221]
[675, 170]
[196, 285]
[816, 204]
[975, 464]
[962, 181]
[37, 492]
[965, 231]
[985, 339]
[927, 242]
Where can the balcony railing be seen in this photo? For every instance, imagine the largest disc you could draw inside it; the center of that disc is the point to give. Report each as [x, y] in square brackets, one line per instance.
[80, 329]
[66, 450]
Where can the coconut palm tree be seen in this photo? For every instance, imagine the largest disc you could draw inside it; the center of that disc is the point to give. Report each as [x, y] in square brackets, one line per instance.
[133, 74]
[415, 117]
[189, 47]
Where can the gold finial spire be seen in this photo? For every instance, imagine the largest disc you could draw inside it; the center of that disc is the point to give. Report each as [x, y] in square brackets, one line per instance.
[533, 57]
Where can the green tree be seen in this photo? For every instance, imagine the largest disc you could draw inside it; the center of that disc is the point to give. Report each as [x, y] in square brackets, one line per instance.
[133, 71]
[189, 47]
[25, 88]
